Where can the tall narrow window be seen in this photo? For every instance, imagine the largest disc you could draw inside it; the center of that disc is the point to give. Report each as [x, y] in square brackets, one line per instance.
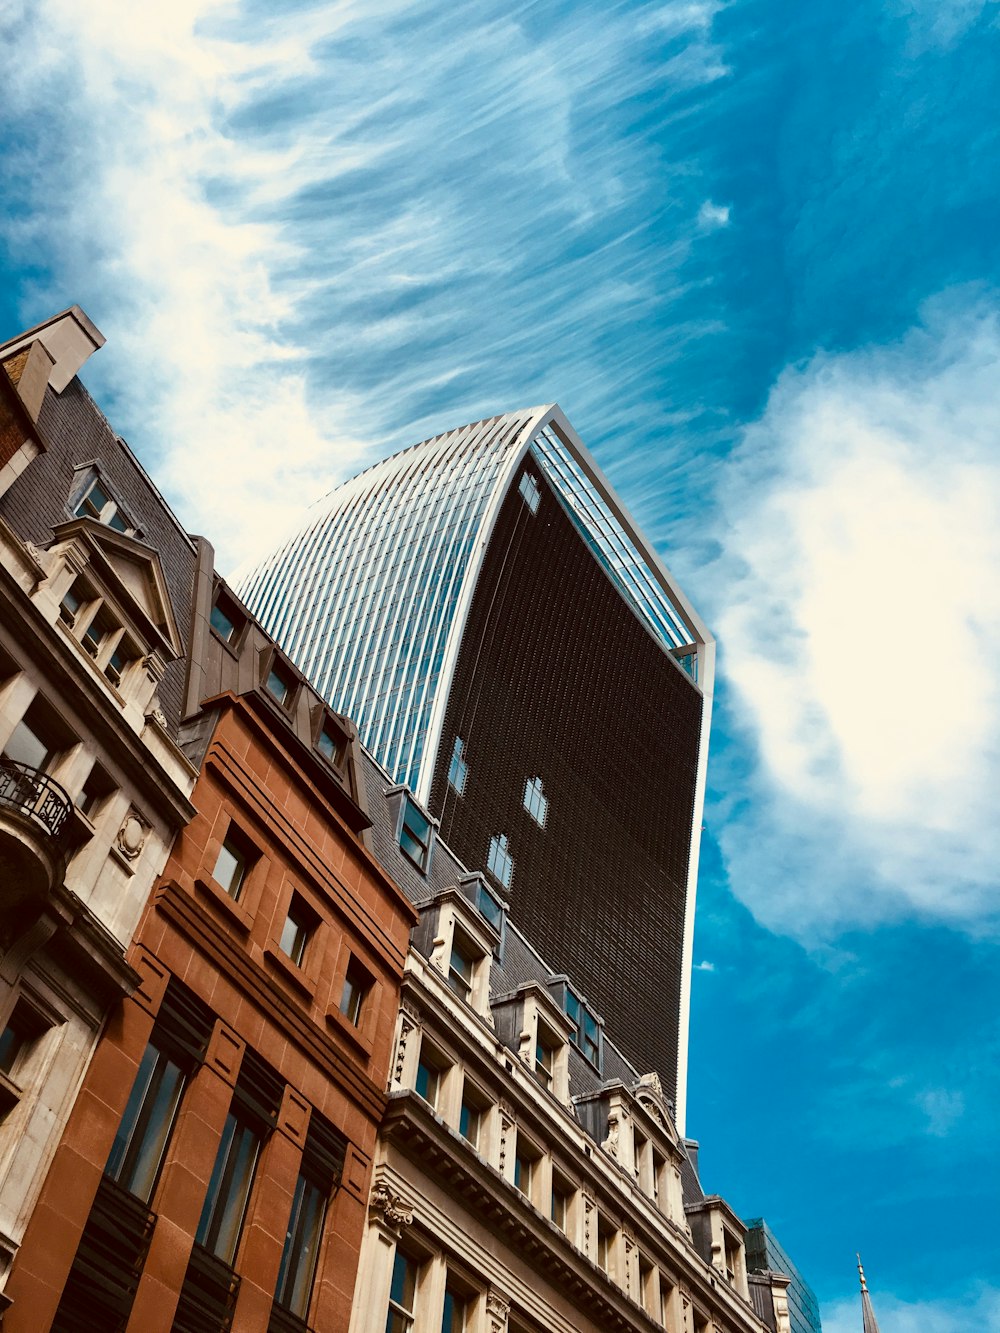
[415, 835]
[499, 861]
[455, 1315]
[535, 801]
[322, 1164]
[458, 770]
[176, 1045]
[357, 985]
[251, 1117]
[402, 1295]
[461, 968]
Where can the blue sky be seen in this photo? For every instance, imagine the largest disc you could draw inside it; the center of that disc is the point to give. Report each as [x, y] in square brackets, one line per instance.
[751, 248]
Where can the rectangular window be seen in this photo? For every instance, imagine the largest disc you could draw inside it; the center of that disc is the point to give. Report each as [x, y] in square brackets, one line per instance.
[530, 494]
[300, 923]
[472, 1115]
[402, 1295]
[430, 1075]
[97, 786]
[124, 654]
[280, 684]
[24, 1026]
[37, 738]
[562, 1197]
[415, 835]
[587, 1036]
[605, 1245]
[461, 968]
[227, 619]
[229, 1188]
[455, 1316]
[233, 864]
[535, 801]
[458, 770]
[142, 1138]
[97, 503]
[357, 985]
[331, 743]
[321, 1168]
[499, 861]
[176, 1046]
[526, 1164]
[75, 599]
[252, 1116]
[490, 906]
[545, 1058]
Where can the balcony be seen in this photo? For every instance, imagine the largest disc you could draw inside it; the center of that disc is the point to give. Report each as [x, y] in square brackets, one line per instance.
[34, 829]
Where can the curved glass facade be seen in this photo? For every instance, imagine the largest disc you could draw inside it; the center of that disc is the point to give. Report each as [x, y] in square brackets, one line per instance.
[364, 596]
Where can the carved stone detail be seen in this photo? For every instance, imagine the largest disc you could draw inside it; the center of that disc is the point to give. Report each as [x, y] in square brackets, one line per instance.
[497, 1311]
[388, 1207]
[131, 837]
[610, 1144]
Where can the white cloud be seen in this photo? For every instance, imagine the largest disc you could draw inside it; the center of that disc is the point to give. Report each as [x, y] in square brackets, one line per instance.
[977, 1311]
[704, 966]
[859, 621]
[711, 216]
[290, 245]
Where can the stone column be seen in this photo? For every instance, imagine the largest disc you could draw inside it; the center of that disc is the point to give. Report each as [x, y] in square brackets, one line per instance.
[497, 1311]
[388, 1213]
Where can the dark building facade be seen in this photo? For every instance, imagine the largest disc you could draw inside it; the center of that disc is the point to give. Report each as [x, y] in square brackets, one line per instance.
[514, 650]
[766, 1253]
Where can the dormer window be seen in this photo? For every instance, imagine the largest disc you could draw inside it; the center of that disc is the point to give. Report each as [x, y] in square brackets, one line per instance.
[535, 801]
[97, 631]
[97, 503]
[74, 600]
[587, 1037]
[461, 966]
[331, 740]
[415, 835]
[280, 684]
[120, 660]
[226, 619]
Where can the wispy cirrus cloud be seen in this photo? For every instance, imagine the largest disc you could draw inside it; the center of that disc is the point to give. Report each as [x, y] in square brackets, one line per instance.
[861, 632]
[314, 235]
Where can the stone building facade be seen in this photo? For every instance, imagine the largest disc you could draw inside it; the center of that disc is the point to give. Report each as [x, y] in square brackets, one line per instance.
[245, 947]
[528, 1178]
[93, 785]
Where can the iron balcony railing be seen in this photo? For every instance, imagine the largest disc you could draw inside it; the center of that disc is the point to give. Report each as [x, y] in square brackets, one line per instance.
[34, 794]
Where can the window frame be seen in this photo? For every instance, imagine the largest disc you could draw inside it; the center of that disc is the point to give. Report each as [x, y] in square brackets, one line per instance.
[246, 856]
[499, 861]
[458, 767]
[356, 991]
[535, 800]
[305, 921]
[108, 512]
[420, 851]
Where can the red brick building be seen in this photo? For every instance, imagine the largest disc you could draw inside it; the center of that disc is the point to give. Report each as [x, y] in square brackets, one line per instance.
[216, 1168]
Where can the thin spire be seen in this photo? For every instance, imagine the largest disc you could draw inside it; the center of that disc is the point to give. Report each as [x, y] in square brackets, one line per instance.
[867, 1313]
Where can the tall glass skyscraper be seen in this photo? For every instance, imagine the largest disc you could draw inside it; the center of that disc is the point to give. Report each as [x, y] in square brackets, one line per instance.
[513, 649]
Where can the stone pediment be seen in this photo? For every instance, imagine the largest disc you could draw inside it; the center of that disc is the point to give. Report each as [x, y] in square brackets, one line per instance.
[134, 577]
[648, 1093]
